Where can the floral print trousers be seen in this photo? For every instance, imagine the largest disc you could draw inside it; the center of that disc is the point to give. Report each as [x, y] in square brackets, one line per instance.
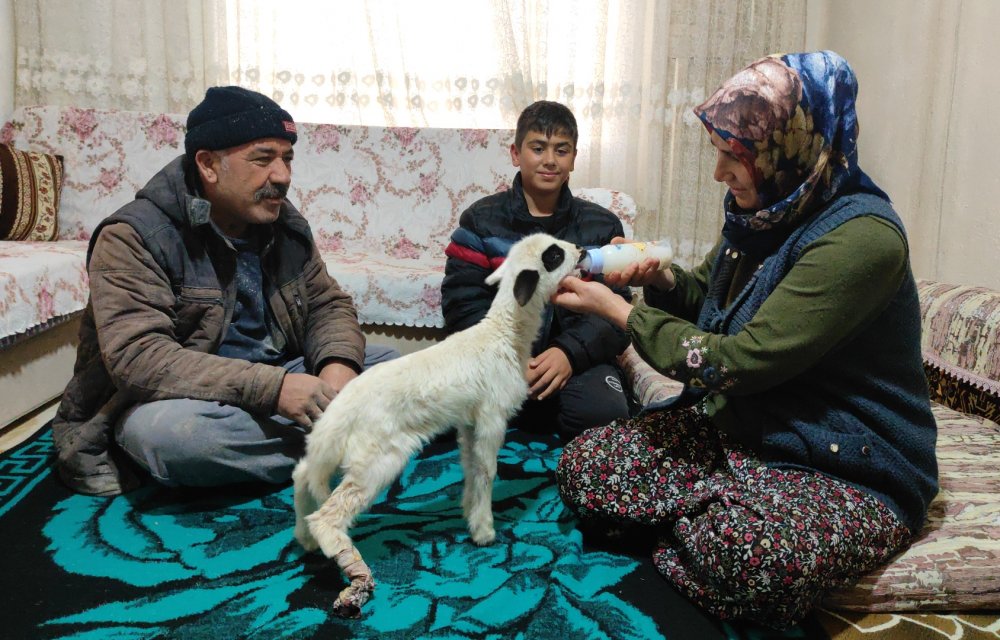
[739, 538]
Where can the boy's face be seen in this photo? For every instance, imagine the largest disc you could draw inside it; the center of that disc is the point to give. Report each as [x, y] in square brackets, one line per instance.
[545, 162]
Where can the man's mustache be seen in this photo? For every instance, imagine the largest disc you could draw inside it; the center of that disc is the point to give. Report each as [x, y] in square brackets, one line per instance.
[270, 191]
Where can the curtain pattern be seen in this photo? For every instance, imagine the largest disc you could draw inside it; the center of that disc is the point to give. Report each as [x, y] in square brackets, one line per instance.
[631, 70]
[157, 55]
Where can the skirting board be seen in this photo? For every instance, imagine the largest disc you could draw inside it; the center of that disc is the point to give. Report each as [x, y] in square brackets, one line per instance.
[403, 339]
[35, 371]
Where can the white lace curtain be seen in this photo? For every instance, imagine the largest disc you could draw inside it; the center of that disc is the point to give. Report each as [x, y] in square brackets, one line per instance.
[631, 70]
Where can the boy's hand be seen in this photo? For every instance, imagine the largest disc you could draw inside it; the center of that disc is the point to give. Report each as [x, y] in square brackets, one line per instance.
[547, 373]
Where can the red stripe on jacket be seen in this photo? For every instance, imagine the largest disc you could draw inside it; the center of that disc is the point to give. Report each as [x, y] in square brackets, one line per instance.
[468, 255]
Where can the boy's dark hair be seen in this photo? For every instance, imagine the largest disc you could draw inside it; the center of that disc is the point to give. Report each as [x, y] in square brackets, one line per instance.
[545, 117]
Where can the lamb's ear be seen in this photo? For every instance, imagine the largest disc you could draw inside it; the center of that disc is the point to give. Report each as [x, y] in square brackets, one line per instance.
[497, 274]
[525, 285]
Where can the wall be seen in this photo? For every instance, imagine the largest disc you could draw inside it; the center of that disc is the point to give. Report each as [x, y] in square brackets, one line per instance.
[928, 79]
[7, 58]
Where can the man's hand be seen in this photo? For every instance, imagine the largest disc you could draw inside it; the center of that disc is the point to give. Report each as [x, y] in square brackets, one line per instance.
[548, 373]
[337, 374]
[304, 397]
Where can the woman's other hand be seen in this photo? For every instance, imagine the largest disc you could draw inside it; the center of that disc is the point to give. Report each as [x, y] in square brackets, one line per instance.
[592, 297]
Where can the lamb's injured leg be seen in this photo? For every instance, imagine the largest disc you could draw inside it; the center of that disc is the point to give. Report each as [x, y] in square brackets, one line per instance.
[329, 525]
[349, 602]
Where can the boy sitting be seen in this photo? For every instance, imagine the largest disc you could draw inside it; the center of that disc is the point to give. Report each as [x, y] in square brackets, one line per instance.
[573, 377]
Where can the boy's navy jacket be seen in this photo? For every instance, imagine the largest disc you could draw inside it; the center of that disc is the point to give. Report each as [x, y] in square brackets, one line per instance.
[485, 234]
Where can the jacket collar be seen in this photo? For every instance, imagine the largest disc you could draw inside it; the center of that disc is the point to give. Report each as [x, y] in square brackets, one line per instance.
[519, 204]
[174, 190]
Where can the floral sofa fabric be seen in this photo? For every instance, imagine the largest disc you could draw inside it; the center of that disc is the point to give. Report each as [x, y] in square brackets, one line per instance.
[382, 203]
[960, 345]
[953, 563]
[42, 283]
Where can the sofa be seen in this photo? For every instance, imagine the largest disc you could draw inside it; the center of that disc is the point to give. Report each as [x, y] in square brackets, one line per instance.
[382, 203]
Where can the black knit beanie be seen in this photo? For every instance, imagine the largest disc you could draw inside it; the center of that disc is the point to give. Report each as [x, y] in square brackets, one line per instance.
[231, 116]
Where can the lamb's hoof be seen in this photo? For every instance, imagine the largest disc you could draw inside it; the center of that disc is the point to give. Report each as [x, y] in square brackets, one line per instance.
[484, 537]
[348, 604]
[306, 539]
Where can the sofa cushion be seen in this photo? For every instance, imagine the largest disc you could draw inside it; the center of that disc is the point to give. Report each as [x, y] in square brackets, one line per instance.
[961, 334]
[30, 184]
[389, 290]
[952, 565]
[43, 283]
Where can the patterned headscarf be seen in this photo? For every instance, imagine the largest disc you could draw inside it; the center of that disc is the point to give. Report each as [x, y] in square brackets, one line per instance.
[791, 121]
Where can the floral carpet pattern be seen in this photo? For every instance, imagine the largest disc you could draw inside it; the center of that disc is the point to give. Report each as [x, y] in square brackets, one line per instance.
[162, 563]
[194, 563]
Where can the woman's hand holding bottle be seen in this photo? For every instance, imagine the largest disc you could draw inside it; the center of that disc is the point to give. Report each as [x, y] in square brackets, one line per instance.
[648, 272]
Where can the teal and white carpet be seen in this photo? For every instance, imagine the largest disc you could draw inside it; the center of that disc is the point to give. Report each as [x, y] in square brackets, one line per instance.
[221, 564]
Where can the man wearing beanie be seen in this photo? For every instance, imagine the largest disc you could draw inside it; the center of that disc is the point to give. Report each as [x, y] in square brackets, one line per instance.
[214, 336]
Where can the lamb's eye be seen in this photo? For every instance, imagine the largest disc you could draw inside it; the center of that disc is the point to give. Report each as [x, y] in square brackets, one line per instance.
[553, 257]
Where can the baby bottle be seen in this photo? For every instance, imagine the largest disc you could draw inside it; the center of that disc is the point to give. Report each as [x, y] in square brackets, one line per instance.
[615, 257]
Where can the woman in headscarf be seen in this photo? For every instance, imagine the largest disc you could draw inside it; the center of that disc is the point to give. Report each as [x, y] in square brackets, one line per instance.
[800, 454]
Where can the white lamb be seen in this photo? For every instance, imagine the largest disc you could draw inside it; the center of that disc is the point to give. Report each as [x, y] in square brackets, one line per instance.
[473, 381]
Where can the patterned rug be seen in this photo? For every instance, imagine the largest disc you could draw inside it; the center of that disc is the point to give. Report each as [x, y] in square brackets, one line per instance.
[160, 563]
